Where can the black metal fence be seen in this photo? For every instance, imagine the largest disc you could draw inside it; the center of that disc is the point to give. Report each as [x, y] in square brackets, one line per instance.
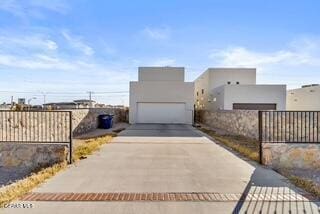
[289, 127]
[54, 127]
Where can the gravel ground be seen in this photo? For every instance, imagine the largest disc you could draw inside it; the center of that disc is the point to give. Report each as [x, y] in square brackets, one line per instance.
[8, 176]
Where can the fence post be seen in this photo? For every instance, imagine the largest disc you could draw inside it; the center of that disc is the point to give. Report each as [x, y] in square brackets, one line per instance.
[70, 137]
[260, 136]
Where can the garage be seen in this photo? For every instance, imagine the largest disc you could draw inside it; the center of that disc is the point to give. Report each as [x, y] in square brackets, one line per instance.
[161, 112]
[254, 106]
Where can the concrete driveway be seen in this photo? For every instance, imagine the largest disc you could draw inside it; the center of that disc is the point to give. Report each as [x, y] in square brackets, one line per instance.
[161, 158]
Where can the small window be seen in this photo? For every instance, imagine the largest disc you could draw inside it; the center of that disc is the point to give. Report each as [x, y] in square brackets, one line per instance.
[197, 93]
[238, 83]
[229, 82]
[202, 91]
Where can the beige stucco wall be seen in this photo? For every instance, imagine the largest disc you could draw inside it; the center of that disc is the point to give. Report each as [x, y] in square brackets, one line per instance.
[213, 78]
[161, 91]
[161, 74]
[254, 94]
[221, 76]
[202, 82]
[304, 99]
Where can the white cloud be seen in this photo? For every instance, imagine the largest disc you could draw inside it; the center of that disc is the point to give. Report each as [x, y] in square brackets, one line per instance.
[27, 42]
[296, 64]
[157, 33]
[35, 62]
[298, 52]
[59, 6]
[77, 43]
[33, 8]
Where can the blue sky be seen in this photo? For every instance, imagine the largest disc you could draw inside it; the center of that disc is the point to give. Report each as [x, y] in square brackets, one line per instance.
[71, 47]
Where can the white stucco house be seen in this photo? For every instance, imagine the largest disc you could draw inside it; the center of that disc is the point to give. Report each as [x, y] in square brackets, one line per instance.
[236, 89]
[161, 96]
[306, 98]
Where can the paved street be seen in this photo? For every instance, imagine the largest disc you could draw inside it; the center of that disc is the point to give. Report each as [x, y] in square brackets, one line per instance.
[161, 158]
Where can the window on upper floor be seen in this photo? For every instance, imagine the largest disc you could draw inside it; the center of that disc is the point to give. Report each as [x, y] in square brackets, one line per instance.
[238, 83]
[197, 93]
[229, 82]
[202, 91]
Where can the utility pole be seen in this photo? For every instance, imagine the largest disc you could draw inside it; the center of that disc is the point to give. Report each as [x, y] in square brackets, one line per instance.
[44, 98]
[90, 97]
[11, 102]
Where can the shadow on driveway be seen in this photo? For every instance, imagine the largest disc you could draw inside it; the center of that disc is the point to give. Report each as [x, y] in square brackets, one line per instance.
[159, 130]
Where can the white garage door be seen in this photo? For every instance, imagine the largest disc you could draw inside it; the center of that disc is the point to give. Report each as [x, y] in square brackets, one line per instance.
[161, 113]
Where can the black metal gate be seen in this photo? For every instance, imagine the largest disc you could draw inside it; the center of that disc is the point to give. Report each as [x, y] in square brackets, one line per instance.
[288, 127]
[51, 127]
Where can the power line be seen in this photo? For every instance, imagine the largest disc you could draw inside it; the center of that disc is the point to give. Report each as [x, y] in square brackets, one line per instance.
[82, 93]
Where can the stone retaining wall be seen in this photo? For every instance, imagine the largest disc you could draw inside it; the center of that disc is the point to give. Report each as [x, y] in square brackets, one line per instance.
[291, 156]
[84, 120]
[18, 160]
[52, 126]
[235, 122]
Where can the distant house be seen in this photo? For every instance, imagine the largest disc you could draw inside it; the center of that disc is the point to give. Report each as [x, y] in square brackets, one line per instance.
[306, 98]
[76, 104]
[85, 103]
[99, 105]
[5, 106]
[61, 105]
[236, 88]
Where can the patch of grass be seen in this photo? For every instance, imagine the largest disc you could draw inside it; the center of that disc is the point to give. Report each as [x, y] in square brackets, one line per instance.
[89, 146]
[302, 182]
[305, 184]
[21, 187]
[245, 146]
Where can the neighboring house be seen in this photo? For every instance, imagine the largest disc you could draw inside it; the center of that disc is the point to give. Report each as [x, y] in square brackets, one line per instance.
[21, 101]
[76, 104]
[236, 88]
[5, 106]
[306, 98]
[85, 103]
[161, 96]
[100, 105]
[61, 105]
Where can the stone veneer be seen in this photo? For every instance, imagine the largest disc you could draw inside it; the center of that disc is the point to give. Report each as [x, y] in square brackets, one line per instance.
[234, 122]
[84, 120]
[22, 158]
[52, 126]
[291, 156]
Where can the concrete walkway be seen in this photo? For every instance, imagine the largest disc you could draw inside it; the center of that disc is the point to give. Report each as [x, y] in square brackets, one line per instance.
[150, 158]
